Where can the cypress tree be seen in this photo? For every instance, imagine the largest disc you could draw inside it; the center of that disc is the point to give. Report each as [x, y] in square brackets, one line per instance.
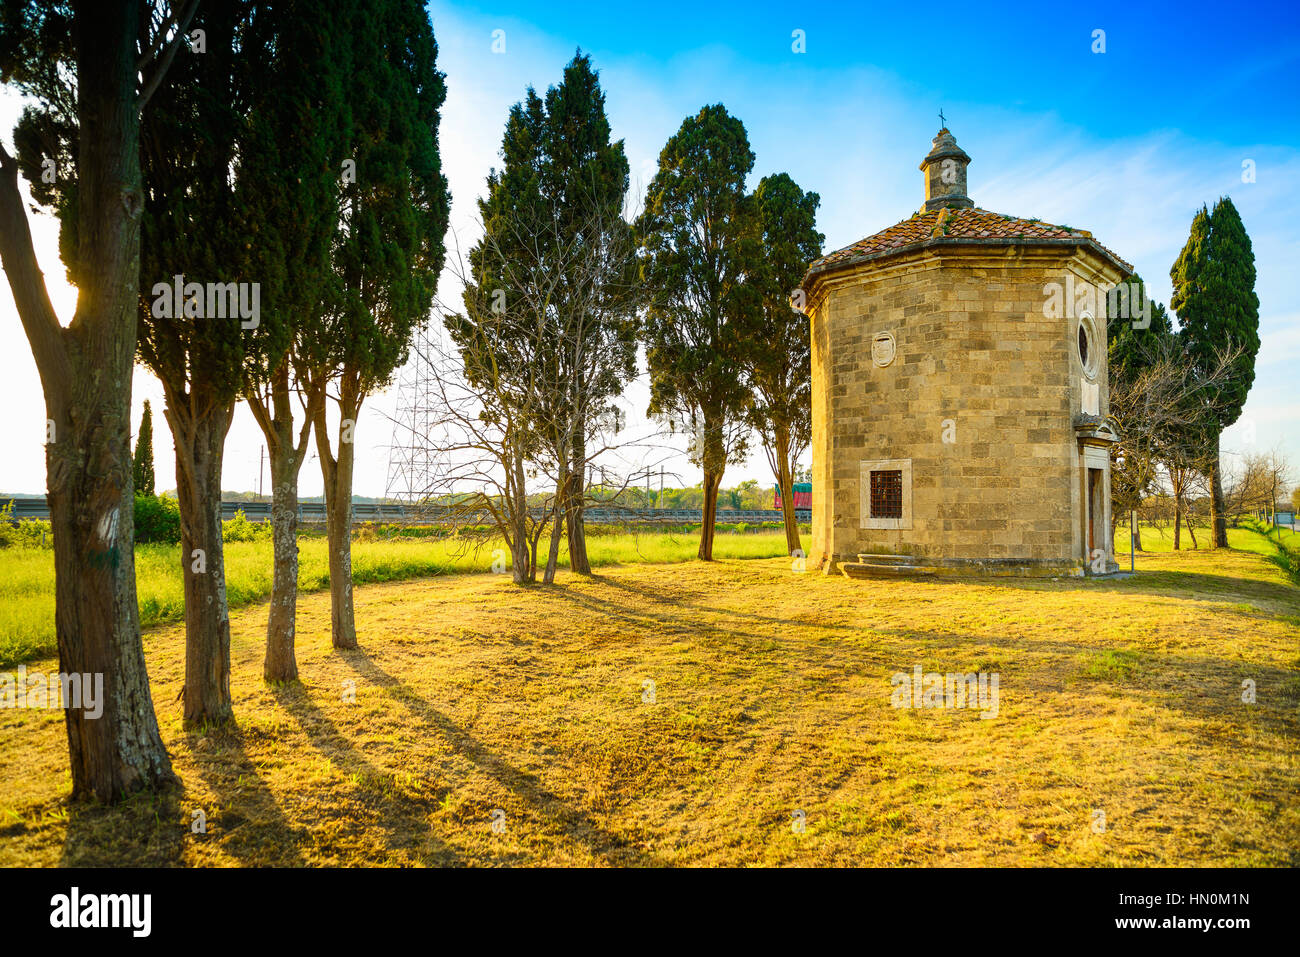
[553, 219]
[142, 462]
[387, 248]
[702, 247]
[292, 168]
[192, 228]
[88, 70]
[780, 357]
[1218, 310]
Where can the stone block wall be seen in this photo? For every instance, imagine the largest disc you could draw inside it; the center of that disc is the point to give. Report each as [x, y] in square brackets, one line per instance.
[981, 396]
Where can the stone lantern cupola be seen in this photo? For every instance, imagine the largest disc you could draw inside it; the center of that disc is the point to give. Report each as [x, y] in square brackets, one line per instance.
[945, 174]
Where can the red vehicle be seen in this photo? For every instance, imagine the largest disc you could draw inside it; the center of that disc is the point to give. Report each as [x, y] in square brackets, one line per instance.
[802, 495]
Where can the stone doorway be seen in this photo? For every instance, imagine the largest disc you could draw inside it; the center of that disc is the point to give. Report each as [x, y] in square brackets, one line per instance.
[1096, 515]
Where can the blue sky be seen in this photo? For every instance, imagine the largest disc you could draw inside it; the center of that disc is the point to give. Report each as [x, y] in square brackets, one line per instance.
[1127, 143]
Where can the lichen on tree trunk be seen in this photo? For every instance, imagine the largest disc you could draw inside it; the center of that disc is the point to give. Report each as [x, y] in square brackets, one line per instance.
[200, 444]
[281, 664]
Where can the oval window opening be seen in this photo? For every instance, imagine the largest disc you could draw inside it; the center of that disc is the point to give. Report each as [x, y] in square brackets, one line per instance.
[1083, 345]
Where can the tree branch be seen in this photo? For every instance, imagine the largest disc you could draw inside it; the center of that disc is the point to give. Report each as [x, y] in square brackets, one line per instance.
[164, 63]
[27, 282]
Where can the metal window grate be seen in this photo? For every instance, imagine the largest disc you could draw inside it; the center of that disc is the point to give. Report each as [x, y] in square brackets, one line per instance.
[887, 494]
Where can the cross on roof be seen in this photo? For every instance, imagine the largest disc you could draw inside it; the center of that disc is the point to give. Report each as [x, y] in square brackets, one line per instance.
[943, 124]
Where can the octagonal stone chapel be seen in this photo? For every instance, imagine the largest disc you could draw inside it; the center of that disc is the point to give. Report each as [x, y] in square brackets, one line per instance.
[959, 421]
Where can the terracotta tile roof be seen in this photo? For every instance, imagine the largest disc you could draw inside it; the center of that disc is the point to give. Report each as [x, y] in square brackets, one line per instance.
[957, 225]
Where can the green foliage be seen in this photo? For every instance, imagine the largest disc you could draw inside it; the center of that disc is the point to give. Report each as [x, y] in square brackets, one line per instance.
[388, 243]
[1129, 350]
[1214, 298]
[291, 164]
[25, 533]
[780, 353]
[702, 250]
[192, 225]
[240, 529]
[550, 320]
[157, 519]
[142, 464]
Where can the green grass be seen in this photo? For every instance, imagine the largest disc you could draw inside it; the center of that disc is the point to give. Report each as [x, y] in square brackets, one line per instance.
[27, 574]
[1159, 540]
[1115, 665]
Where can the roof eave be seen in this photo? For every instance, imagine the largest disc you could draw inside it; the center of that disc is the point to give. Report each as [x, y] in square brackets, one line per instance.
[816, 273]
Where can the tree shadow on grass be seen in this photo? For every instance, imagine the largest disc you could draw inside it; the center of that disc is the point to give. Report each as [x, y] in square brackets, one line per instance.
[403, 816]
[1164, 584]
[664, 599]
[1201, 686]
[574, 824]
[247, 822]
[144, 830]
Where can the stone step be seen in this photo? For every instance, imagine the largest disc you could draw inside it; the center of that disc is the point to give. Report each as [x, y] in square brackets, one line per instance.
[882, 570]
[872, 558]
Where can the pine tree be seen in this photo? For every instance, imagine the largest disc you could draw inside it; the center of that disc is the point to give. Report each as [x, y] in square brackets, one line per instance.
[702, 246]
[1218, 310]
[555, 242]
[292, 166]
[142, 463]
[192, 228]
[780, 357]
[89, 73]
[387, 248]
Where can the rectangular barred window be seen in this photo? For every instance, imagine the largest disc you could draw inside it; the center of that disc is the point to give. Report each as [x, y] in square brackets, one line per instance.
[887, 494]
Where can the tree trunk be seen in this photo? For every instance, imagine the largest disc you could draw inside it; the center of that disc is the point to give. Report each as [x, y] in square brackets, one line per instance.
[200, 442]
[1178, 521]
[521, 561]
[712, 482]
[557, 517]
[338, 533]
[1218, 524]
[785, 478]
[336, 473]
[85, 372]
[714, 462]
[286, 457]
[281, 663]
[574, 513]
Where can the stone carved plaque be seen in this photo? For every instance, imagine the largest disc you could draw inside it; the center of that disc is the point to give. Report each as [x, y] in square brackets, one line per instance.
[1091, 398]
[882, 349]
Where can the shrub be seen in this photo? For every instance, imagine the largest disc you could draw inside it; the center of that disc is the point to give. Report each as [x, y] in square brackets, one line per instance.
[240, 529]
[157, 519]
[27, 533]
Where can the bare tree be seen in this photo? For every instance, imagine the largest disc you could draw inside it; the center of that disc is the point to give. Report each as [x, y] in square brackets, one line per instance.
[1159, 412]
[519, 428]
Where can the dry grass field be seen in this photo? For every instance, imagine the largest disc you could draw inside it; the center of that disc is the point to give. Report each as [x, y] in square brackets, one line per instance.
[771, 697]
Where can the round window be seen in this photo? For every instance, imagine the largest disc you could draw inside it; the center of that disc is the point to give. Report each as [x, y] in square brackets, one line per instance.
[1087, 346]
